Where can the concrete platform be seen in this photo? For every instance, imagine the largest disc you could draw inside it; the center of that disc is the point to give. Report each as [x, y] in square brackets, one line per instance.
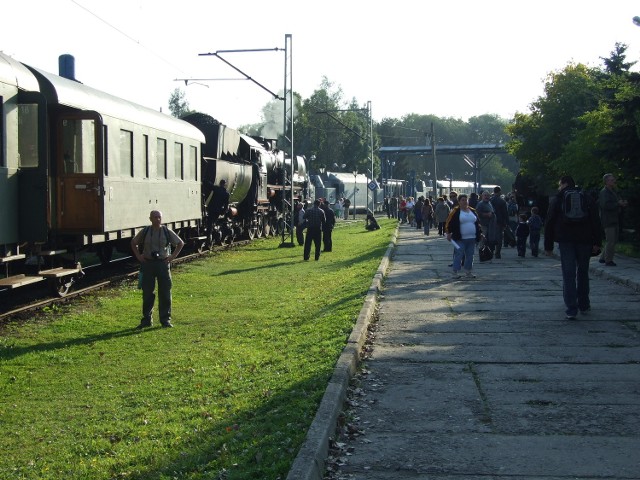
[485, 378]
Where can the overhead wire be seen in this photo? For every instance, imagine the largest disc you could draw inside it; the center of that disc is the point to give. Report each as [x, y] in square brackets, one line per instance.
[129, 37]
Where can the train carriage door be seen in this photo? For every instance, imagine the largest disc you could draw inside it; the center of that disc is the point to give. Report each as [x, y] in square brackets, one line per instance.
[80, 191]
[33, 204]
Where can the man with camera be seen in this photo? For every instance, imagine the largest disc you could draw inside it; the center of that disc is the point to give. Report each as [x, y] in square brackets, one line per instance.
[155, 264]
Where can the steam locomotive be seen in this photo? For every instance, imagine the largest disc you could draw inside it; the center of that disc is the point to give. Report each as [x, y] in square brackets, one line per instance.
[80, 170]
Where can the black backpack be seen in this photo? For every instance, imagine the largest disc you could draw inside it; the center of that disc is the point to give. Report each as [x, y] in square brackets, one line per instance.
[574, 206]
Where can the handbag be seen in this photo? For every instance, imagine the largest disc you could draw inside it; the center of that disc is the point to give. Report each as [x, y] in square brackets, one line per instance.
[509, 237]
[484, 253]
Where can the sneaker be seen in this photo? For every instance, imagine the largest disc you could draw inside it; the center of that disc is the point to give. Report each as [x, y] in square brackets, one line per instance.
[571, 314]
[585, 311]
[601, 260]
[167, 325]
[143, 324]
[611, 264]
[456, 275]
[469, 275]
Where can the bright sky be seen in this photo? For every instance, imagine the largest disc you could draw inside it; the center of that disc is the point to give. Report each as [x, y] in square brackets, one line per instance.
[451, 58]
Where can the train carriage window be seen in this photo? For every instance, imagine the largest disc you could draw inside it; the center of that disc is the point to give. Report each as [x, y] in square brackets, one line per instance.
[105, 149]
[161, 158]
[126, 153]
[146, 155]
[28, 135]
[178, 161]
[78, 146]
[194, 163]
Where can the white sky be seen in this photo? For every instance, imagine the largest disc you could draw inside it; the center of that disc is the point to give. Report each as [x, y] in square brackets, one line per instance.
[451, 58]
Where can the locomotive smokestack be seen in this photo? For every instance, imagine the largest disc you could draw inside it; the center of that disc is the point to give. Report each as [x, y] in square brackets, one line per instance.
[67, 66]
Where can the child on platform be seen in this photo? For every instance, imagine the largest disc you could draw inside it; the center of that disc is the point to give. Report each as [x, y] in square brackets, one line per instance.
[535, 226]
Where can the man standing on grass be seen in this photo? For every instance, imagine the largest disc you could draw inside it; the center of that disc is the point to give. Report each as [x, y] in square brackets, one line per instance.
[316, 219]
[327, 229]
[155, 264]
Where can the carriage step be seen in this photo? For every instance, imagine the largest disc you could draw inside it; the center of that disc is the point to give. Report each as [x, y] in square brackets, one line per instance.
[58, 272]
[19, 280]
[50, 253]
[12, 258]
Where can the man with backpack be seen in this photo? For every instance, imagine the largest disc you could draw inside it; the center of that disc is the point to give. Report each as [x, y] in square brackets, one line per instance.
[573, 222]
[155, 264]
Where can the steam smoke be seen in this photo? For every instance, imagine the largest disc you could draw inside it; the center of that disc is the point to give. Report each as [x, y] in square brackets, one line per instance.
[273, 119]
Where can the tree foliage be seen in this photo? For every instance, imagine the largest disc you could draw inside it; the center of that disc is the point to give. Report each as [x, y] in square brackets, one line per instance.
[585, 125]
[178, 104]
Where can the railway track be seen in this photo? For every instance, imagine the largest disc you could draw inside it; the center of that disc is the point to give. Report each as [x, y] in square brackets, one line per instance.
[96, 279]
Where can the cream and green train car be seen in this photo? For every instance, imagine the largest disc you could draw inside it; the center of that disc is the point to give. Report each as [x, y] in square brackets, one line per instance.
[81, 170]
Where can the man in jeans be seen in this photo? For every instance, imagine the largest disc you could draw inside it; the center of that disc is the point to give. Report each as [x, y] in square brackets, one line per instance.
[576, 241]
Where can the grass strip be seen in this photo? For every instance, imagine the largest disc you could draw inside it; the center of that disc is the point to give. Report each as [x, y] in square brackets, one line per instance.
[229, 393]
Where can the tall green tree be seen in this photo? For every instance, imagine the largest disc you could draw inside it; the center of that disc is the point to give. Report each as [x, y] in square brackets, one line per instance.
[586, 124]
[333, 131]
[178, 104]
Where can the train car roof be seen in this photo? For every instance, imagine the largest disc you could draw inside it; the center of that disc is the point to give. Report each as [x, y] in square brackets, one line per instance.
[77, 95]
[348, 177]
[14, 73]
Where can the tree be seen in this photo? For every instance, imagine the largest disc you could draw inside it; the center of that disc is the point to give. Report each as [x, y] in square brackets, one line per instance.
[586, 125]
[178, 105]
[540, 139]
[333, 131]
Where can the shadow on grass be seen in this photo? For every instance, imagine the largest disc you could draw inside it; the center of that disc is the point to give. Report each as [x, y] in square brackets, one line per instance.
[9, 352]
[238, 447]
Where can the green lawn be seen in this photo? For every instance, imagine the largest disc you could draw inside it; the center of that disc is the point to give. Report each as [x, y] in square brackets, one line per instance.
[227, 394]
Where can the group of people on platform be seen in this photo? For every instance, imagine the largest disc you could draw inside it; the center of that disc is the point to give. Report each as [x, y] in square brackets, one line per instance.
[423, 213]
[574, 221]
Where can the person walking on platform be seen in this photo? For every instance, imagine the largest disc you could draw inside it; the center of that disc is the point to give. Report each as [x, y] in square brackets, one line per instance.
[500, 208]
[394, 207]
[535, 227]
[427, 215]
[578, 237]
[155, 264]
[315, 218]
[463, 230]
[442, 211]
[610, 205]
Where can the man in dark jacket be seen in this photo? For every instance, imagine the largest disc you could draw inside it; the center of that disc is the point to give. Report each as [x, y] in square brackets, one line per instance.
[327, 229]
[315, 218]
[576, 242]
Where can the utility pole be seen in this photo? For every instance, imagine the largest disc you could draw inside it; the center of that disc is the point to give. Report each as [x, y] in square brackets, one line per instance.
[435, 163]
